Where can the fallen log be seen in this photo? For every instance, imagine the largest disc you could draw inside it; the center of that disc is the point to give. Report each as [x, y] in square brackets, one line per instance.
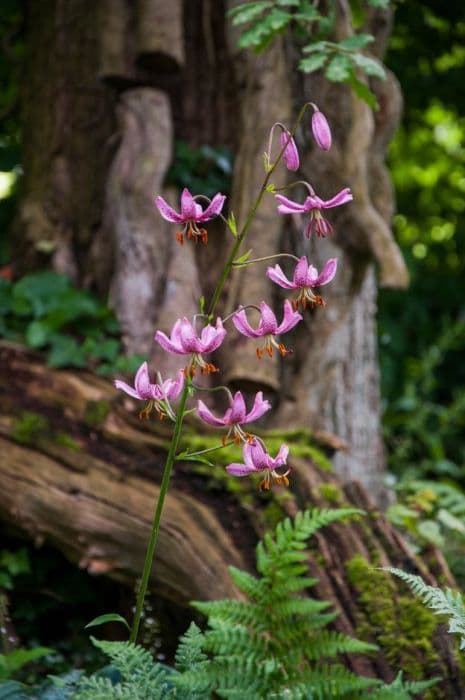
[80, 471]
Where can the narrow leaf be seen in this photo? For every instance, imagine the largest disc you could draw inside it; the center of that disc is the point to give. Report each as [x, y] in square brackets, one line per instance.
[108, 617]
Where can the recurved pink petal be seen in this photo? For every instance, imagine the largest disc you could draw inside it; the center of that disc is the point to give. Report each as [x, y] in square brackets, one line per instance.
[275, 274]
[171, 345]
[214, 208]
[167, 212]
[237, 411]
[281, 457]
[236, 469]
[142, 381]
[243, 326]
[290, 319]
[171, 388]
[341, 197]
[259, 408]
[188, 207]
[287, 206]
[189, 338]
[268, 323]
[208, 417]
[327, 274]
[212, 336]
[291, 154]
[127, 389]
[301, 273]
[255, 454]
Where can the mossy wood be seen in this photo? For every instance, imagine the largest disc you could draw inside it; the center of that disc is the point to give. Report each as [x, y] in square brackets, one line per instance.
[80, 471]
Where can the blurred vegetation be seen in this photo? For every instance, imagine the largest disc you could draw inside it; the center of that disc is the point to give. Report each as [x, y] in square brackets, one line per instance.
[422, 332]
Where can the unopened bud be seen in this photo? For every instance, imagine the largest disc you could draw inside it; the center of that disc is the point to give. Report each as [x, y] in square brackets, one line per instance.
[291, 154]
[321, 130]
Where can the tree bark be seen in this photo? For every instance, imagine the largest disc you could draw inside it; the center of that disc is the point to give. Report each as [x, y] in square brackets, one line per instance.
[80, 471]
[98, 140]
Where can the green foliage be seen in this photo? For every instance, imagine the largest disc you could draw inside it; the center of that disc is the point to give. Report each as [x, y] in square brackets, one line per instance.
[12, 564]
[442, 602]
[73, 328]
[341, 62]
[205, 169]
[16, 659]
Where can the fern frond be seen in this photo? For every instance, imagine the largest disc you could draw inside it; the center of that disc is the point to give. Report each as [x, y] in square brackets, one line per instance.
[442, 602]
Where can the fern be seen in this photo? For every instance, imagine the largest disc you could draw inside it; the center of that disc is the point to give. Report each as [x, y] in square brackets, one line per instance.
[442, 602]
[272, 644]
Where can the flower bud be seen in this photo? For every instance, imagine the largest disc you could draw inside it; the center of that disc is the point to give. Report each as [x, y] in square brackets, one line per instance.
[291, 154]
[321, 130]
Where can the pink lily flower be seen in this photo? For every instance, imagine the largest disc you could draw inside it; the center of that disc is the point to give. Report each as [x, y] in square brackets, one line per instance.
[321, 131]
[268, 327]
[305, 278]
[235, 415]
[257, 459]
[191, 215]
[314, 205]
[291, 154]
[156, 394]
[184, 340]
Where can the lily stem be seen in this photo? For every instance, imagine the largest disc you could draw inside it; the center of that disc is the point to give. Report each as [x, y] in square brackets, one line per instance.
[157, 516]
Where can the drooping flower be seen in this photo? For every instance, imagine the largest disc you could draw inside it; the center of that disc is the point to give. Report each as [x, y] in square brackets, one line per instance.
[320, 129]
[155, 394]
[235, 415]
[305, 278]
[184, 340]
[313, 205]
[268, 327]
[257, 459]
[191, 215]
[291, 154]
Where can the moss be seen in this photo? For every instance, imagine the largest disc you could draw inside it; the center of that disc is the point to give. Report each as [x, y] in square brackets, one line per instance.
[399, 624]
[66, 441]
[331, 493]
[96, 412]
[30, 427]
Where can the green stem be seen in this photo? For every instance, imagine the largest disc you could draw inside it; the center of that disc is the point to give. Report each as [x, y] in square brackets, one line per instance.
[156, 518]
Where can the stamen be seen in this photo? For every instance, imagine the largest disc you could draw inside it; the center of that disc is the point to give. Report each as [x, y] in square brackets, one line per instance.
[179, 238]
[204, 235]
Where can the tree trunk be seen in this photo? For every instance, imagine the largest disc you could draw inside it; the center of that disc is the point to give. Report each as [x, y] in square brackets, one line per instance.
[80, 471]
[105, 97]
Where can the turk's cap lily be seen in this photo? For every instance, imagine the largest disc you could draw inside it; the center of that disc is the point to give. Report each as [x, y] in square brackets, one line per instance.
[314, 205]
[291, 154]
[287, 206]
[236, 414]
[146, 391]
[268, 324]
[320, 129]
[184, 339]
[305, 275]
[191, 211]
[257, 459]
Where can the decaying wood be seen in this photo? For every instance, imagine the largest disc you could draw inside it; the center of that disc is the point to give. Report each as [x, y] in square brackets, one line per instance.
[85, 480]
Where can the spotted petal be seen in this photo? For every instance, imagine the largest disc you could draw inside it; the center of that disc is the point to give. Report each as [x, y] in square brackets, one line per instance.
[167, 212]
[243, 326]
[259, 408]
[290, 319]
[188, 206]
[327, 274]
[287, 206]
[214, 208]
[275, 274]
[208, 417]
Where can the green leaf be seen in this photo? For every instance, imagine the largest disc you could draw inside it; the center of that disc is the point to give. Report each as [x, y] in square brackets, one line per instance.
[429, 529]
[339, 69]
[369, 66]
[38, 334]
[232, 224]
[363, 92]
[202, 304]
[357, 41]
[449, 520]
[319, 46]
[247, 11]
[186, 457]
[14, 660]
[313, 63]
[243, 258]
[383, 4]
[108, 617]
